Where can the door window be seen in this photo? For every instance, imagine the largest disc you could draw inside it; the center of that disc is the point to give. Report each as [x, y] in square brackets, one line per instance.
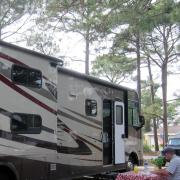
[119, 115]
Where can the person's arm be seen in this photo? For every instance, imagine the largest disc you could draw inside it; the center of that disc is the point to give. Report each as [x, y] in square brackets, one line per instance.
[162, 172]
[172, 166]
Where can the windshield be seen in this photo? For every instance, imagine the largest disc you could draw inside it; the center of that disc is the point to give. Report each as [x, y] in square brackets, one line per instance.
[174, 142]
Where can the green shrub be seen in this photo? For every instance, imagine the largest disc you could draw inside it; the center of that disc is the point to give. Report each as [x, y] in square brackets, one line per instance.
[159, 161]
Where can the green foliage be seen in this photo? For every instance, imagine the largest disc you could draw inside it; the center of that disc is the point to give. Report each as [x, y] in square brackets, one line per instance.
[13, 10]
[155, 110]
[159, 161]
[114, 68]
[150, 110]
[76, 16]
[163, 12]
[43, 42]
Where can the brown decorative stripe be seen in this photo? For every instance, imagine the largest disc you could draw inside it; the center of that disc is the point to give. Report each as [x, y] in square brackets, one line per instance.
[75, 136]
[90, 119]
[10, 147]
[83, 159]
[76, 119]
[8, 114]
[15, 61]
[28, 140]
[49, 130]
[25, 94]
[43, 92]
[93, 138]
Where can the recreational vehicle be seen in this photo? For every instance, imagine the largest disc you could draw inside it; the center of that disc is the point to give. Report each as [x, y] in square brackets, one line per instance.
[59, 124]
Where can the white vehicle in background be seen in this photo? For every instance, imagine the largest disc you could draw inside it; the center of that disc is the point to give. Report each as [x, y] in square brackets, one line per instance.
[60, 124]
[174, 143]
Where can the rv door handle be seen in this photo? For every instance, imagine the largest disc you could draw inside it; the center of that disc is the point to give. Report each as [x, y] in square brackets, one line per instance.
[123, 136]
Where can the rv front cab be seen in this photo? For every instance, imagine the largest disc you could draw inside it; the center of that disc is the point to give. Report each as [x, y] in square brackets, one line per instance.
[141, 121]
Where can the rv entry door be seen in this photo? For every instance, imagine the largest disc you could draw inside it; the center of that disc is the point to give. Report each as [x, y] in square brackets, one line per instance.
[119, 132]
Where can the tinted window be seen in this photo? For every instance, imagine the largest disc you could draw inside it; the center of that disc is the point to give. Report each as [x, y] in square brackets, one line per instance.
[26, 123]
[174, 142]
[135, 117]
[20, 74]
[91, 107]
[35, 78]
[133, 114]
[130, 116]
[26, 76]
[119, 115]
[106, 109]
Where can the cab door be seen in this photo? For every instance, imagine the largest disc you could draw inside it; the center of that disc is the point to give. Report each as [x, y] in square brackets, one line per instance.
[119, 149]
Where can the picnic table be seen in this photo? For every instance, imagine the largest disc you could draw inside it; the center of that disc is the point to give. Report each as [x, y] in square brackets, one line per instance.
[139, 176]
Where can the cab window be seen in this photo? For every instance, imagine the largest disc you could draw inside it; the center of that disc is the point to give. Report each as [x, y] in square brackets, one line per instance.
[26, 76]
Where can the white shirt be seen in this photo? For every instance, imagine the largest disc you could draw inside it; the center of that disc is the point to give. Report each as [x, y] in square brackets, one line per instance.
[174, 168]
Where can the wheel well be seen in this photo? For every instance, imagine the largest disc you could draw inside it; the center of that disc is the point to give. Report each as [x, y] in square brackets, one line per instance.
[7, 170]
[134, 158]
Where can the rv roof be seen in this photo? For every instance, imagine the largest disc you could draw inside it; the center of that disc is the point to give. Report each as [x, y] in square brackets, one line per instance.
[92, 79]
[12, 46]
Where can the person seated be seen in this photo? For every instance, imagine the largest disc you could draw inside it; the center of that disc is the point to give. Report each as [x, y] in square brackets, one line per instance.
[173, 169]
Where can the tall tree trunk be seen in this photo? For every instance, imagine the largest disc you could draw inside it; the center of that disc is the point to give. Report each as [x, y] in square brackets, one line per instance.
[87, 53]
[147, 126]
[164, 92]
[152, 102]
[138, 68]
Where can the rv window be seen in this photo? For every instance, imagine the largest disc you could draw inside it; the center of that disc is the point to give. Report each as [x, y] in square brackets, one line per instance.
[26, 76]
[35, 78]
[119, 115]
[19, 74]
[130, 116]
[91, 107]
[26, 123]
[135, 117]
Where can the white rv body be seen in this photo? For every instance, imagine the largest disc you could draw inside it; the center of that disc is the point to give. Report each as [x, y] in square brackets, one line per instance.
[60, 122]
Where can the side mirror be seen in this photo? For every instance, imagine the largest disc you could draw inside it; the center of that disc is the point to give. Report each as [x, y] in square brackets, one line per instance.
[142, 120]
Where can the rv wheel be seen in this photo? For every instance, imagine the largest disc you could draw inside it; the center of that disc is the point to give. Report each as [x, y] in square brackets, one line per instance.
[4, 176]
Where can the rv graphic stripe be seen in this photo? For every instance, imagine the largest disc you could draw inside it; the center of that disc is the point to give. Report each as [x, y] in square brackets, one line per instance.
[27, 140]
[76, 119]
[8, 114]
[15, 61]
[88, 118]
[25, 94]
[75, 136]
[93, 138]
[83, 159]
[82, 148]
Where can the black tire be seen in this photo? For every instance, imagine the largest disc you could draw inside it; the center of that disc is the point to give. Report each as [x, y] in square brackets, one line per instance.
[4, 176]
